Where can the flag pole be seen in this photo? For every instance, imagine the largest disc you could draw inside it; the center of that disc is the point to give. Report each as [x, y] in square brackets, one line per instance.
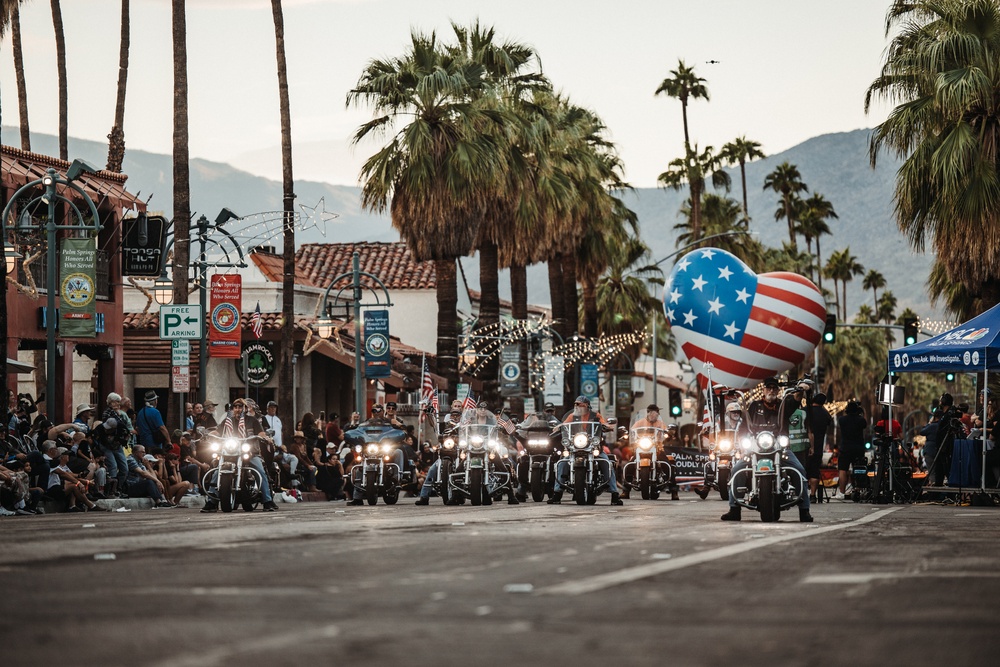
[420, 401]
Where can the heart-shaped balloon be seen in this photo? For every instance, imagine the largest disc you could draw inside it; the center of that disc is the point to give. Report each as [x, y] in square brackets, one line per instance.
[748, 327]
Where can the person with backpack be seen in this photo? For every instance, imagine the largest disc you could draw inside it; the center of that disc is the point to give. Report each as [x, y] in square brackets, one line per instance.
[153, 433]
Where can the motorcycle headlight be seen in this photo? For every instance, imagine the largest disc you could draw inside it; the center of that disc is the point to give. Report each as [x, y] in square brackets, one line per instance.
[371, 449]
[357, 448]
[215, 446]
[476, 439]
[580, 440]
[746, 444]
[462, 444]
[386, 447]
[765, 442]
[783, 441]
[537, 443]
[245, 447]
[725, 445]
[231, 446]
[645, 443]
[449, 443]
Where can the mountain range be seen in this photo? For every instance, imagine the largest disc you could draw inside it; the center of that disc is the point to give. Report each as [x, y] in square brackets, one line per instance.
[835, 165]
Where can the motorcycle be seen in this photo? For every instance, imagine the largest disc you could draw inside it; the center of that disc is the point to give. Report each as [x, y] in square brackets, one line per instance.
[649, 471]
[537, 461]
[482, 475]
[582, 444]
[375, 473]
[447, 452]
[768, 484]
[237, 482]
[718, 469]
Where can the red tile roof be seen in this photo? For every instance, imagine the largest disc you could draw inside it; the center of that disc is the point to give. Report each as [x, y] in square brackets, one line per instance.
[391, 262]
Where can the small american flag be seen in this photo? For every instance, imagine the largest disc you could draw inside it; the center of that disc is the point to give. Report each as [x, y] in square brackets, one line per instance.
[435, 405]
[427, 393]
[706, 420]
[256, 325]
[470, 403]
[507, 424]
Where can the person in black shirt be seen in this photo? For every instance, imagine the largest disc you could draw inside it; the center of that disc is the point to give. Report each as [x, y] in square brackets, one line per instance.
[948, 426]
[819, 423]
[851, 428]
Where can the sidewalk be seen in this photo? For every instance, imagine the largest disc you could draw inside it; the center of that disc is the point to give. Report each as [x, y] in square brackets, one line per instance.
[129, 504]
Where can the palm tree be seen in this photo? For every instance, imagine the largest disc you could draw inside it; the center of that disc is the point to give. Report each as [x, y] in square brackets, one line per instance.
[958, 299]
[740, 151]
[865, 315]
[684, 85]
[692, 169]
[816, 210]
[786, 181]
[286, 379]
[116, 138]
[721, 215]
[22, 87]
[941, 72]
[57, 23]
[885, 311]
[843, 266]
[438, 170]
[874, 281]
[182, 174]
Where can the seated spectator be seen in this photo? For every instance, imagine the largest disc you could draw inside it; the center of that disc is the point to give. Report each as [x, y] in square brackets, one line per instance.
[64, 485]
[142, 482]
[24, 497]
[176, 486]
[329, 472]
[305, 467]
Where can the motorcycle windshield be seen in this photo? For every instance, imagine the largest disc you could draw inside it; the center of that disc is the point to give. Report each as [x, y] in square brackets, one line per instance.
[569, 431]
[477, 436]
[645, 437]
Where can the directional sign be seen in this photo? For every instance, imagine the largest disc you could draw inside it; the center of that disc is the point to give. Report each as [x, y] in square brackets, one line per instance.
[180, 379]
[183, 321]
[180, 352]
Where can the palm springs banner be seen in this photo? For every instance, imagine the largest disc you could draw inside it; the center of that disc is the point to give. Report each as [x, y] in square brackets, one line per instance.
[377, 344]
[224, 330]
[78, 288]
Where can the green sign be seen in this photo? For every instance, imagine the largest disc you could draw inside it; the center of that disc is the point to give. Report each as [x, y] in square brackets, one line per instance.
[260, 364]
[78, 288]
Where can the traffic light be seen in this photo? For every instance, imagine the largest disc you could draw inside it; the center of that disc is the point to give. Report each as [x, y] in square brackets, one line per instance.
[949, 377]
[909, 330]
[675, 403]
[830, 330]
[820, 376]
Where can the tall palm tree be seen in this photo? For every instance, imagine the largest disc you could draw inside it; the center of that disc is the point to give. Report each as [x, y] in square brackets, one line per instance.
[286, 379]
[57, 23]
[786, 181]
[941, 71]
[182, 174]
[438, 169]
[116, 138]
[885, 311]
[692, 170]
[740, 151]
[22, 87]
[843, 267]
[957, 297]
[865, 315]
[815, 211]
[684, 85]
[874, 281]
[721, 215]
[622, 294]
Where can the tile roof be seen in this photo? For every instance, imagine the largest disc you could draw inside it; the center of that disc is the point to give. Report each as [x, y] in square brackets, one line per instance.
[391, 262]
[271, 264]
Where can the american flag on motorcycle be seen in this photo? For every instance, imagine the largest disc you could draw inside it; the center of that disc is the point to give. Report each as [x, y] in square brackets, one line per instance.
[256, 325]
[470, 403]
[228, 428]
[428, 396]
[706, 420]
[507, 424]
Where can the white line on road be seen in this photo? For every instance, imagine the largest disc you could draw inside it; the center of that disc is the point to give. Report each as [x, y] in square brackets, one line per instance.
[630, 574]
[868, 577]
[226, 654]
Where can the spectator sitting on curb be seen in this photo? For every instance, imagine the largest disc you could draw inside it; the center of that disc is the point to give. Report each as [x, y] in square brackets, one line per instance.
[142, 483]
[63, 484]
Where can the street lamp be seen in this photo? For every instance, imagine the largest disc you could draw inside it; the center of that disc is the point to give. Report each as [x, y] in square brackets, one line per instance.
[324, 328]
[11, 255]
[163, 290]
[50, 197]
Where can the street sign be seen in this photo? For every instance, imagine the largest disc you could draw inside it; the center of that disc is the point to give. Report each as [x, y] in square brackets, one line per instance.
[180, 352]
[183, 321]
[180, 379]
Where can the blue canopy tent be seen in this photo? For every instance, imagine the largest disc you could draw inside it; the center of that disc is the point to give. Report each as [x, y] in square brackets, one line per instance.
[971, 347]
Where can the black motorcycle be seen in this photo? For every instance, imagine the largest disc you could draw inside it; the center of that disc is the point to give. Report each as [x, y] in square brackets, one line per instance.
[237, 482]
[482, 474]
[375, 472]
[536, 465]
[649, 471]
[582, 444]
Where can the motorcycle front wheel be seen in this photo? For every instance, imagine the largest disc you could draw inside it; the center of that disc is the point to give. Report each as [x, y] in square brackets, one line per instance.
[644, 482]
[476, 490]
[724, 483]
[226, 493]
[444, 476]
[371, 490]
[580, 486]
[537, 486]
[391, 495]
[767, 501]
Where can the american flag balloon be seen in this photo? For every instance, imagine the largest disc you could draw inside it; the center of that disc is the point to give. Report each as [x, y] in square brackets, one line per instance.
[748, 327]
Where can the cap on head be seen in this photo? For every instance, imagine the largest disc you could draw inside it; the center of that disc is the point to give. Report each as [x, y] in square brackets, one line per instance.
[391, 404]
[582, 399]
[771, 382]
[299, 435]
[150, 396]
[549, 406]
[272, 404]
[240, 402]
[819, 399]
[483, 404]
[377, 408]
[210, 404]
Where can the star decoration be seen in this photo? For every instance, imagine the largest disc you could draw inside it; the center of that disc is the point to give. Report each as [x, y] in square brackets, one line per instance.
[314, 217]
[742, 296]
[715, 306]
[683, 264]
[689, 317]
[670, 314]
[725, 272]
[708, 253]
[674, 295]
[699, 283]
[731, 330]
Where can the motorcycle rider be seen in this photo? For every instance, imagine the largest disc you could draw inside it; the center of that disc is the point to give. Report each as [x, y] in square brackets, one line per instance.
[538, 422]
[390, 415]
[653, 420]
[448, 427]
[241, 425]
[581, 413]
[378, 418]
[765, 415]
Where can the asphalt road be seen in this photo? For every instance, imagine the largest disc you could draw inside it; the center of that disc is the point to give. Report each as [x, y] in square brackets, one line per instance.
[653, 582]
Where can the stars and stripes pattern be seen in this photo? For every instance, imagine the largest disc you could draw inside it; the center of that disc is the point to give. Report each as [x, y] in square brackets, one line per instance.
[256, 324]
[229, 428]
[507, 424]
[706, 420]
[427, 393]
[749, 327]
[470, 403]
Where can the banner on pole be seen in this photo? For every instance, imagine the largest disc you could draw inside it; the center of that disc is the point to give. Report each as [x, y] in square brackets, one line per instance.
[224, 331]
[510, 370]
[376, 338]
[555, 369]
[78, 288]
[589, 382]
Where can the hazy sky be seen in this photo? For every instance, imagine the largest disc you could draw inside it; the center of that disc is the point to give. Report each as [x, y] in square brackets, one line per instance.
[788, 70]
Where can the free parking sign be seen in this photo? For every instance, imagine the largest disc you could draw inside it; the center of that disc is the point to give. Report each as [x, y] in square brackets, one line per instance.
[180, 322]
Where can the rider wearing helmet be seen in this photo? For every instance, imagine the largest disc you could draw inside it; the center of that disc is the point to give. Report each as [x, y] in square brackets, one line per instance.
[765, 415]
[581, 412]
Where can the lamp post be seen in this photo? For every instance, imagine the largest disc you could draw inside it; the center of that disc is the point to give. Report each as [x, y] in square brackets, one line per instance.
[357, 291]
[51, 182]
[656, 377]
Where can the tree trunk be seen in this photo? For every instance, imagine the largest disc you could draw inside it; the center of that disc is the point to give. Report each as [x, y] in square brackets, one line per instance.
[590, 308]
[819, 264]
[489, 315]
[22, 88]
[116, 138]
[571, 298]
[519, 311]
[791, 224]
[57, 23]
[447, 325]
[556, 294]
[695, 210]
[743, 180]
[182, 184]
[286, 379]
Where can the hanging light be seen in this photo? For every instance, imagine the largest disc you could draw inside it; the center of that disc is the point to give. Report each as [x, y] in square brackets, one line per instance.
[11, 255]
[163, 290]
[469, 356]
[324, 328]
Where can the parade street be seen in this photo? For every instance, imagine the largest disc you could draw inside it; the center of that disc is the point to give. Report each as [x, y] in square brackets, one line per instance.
[652, 582]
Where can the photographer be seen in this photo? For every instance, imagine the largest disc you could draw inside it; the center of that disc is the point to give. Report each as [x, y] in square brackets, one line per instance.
[851, 429]
[948, 429]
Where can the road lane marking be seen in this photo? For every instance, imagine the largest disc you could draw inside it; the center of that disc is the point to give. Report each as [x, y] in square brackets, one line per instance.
[630, 574]
[868, 577]
[223, 655]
